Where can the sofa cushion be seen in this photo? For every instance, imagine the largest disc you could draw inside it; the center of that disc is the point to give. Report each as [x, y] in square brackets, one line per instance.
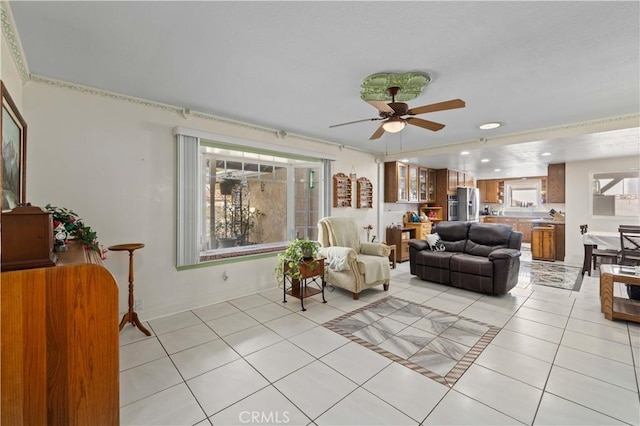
[470, 264]
[487, 237]
[435, 259]
[435, 243]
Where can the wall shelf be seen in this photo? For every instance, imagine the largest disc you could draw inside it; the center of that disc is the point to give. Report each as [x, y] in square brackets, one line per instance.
[364, 193]
[341, 190]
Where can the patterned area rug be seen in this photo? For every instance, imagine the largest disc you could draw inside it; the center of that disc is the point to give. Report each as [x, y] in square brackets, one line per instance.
[435, 343]
[551, 275]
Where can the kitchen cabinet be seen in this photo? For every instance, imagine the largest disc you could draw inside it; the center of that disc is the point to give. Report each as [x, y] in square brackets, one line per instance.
[413, 184]
[521, 224]
[556, 183]
[431, 184]
[423, 184]
[543, 243]
[452, 181]
[396, 189]
[435, 214]
[489, 191]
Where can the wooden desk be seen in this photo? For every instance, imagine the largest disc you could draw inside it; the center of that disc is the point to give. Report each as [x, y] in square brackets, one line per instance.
[618, 307]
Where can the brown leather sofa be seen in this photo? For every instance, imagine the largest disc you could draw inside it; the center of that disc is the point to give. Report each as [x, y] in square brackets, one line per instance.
[482, 257]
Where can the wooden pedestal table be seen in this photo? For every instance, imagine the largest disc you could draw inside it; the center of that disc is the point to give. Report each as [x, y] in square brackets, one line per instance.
[618, 307]
[131, 316]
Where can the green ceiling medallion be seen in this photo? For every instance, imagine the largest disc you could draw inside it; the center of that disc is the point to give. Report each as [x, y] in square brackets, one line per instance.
[374, 87]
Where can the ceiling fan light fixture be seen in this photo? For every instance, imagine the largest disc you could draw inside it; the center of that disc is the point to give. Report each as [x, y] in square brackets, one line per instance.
[393, 125]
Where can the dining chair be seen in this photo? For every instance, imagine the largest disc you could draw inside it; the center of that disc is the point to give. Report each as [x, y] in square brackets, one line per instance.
[596, 252]
[629, 244]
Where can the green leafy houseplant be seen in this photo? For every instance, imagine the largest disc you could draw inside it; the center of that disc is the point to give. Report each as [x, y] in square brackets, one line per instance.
[294, 255]
[74, 227]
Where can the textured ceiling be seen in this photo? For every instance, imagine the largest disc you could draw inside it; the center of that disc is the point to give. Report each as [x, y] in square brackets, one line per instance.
[298, 66]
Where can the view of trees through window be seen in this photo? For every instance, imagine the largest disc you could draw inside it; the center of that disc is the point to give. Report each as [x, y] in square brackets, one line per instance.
[254, 200]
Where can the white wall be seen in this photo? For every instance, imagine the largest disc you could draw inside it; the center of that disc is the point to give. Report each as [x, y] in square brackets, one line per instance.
[113, 162]
[578, 191]
[9, 74]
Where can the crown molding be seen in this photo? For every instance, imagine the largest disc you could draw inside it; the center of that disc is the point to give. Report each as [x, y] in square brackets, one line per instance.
[13, 40]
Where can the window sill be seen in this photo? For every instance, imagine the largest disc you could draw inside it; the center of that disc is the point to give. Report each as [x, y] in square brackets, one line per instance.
[235, 252]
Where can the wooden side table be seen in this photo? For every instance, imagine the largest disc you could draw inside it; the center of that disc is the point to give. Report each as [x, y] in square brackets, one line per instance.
[131, 316]
[618, 307]
[310, 270]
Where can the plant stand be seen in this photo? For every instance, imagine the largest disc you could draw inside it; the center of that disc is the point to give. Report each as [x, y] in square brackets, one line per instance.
[311, 271]
[131, 316]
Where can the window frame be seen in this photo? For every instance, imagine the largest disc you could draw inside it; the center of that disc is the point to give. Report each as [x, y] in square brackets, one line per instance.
[190, 202]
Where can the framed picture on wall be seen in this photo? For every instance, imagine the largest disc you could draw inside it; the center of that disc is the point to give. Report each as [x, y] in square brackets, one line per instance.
[13, 141]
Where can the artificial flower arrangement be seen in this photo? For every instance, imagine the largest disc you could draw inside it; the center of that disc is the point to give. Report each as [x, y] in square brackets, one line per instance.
[368, 229]
[66, 223]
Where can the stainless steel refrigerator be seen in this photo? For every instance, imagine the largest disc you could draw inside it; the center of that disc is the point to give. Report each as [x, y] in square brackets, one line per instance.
[468, 204]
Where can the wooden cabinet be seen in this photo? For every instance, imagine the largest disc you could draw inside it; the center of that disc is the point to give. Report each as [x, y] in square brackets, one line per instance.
[556, 183]
[435, 214]
[60, 363]
[543, 243]
[431, 184]
[423, 185]
[523, 225]
[396, 187]
[364, 193]
[341, 190]
[400, 238]
[452, 181]
[422, 229]
[467, 179]
[413, 184]
[489, 191]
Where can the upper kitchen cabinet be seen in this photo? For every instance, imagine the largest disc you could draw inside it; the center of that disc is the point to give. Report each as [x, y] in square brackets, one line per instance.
[489, 191]
[413, 184]
[423, 185]
[431, 184]
[396, 182]
[556, 183]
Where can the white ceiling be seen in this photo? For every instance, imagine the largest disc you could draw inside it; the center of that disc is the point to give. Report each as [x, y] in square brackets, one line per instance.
[297, 67]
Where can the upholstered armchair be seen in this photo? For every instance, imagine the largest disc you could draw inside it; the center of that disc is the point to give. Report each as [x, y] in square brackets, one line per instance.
[351, 264]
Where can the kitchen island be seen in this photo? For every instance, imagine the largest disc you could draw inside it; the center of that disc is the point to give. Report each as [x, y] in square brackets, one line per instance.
[526, 224]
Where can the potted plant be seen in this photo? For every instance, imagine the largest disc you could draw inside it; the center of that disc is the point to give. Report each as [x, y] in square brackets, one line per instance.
[298, 255]
[66, 224]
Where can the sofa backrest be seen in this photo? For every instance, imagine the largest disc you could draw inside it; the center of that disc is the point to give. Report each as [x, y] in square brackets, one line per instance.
[453, 234]
[487, 237]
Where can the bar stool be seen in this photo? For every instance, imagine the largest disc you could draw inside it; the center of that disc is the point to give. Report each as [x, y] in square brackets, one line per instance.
[131, 316]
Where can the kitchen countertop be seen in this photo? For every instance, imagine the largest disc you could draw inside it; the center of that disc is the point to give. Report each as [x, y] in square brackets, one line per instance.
[536, 219]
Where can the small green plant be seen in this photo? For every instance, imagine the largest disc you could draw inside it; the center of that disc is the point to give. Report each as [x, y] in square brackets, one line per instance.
[74, 227]
[294, 255]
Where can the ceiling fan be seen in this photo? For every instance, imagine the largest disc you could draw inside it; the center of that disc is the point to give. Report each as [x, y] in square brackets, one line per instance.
[393, 113]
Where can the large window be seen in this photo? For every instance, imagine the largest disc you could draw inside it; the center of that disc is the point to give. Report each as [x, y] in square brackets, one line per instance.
[244, 199]
[615, 194]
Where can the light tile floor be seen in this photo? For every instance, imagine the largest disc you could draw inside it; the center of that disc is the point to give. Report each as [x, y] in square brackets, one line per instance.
[255, 360]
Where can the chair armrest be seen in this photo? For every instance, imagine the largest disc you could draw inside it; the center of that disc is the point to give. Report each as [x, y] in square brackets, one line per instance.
[504, 253]
[375, 249]
[419, 245]
[338, 258]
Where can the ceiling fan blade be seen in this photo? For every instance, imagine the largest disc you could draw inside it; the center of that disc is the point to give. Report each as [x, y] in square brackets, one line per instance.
[357, 121]
[381, 106]
[425, 124]
[379, 132]
[440, 106]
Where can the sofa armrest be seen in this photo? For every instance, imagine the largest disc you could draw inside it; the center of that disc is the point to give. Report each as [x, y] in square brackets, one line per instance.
[504, 253]
[375, 249]
[419, 245]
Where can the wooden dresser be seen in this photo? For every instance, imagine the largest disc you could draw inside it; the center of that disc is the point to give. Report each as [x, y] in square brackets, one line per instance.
[60, 349]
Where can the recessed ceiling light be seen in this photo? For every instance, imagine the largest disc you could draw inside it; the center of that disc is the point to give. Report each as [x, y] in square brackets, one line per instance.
[497, 170]
[489, 126]
[485, 160]
[464, 153]
[545, 154]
